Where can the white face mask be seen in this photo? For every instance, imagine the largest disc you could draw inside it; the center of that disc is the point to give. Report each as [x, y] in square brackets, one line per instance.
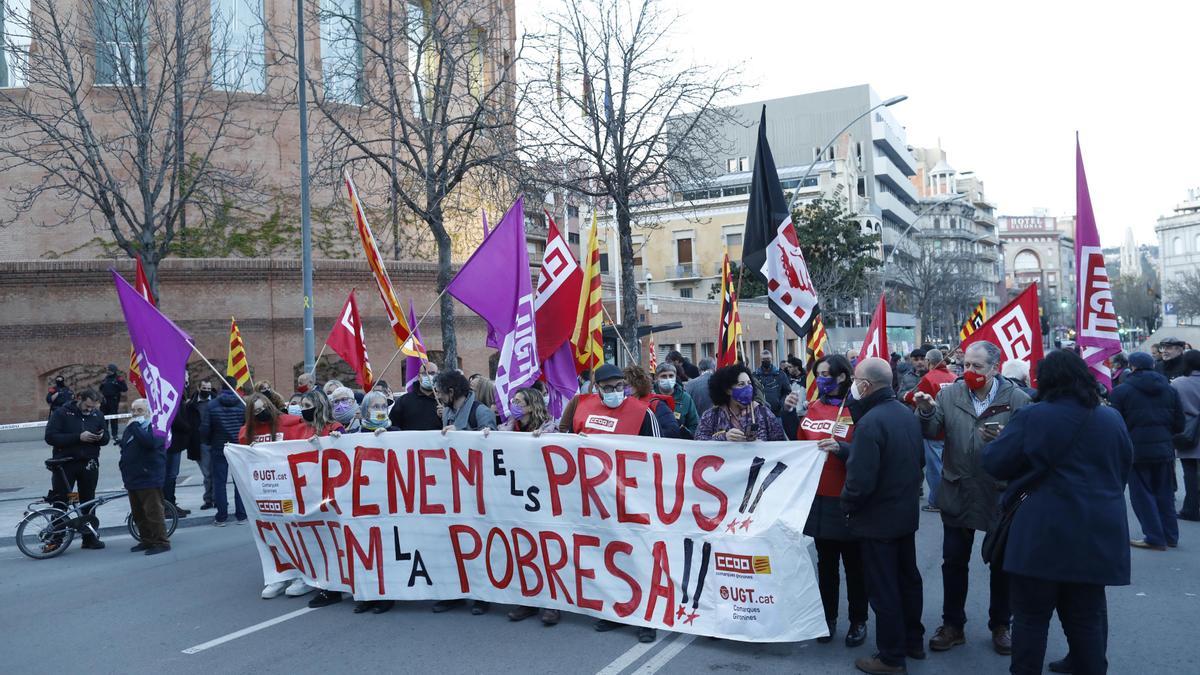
[854, 392]
[613, 399]
[666, 385]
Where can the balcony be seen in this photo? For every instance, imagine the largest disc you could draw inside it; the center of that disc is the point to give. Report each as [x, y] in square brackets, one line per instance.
[891, 144]
[692, 270]
[893, 208]
[895, 180]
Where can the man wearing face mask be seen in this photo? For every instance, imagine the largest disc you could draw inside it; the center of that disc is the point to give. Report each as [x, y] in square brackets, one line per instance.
[971, 413]
[143, 471]
[59, 395]
[226, 416]
[304, 383]
[775, 384]
[417, 410]
[200, 401]
[667, 384]
[77, 430]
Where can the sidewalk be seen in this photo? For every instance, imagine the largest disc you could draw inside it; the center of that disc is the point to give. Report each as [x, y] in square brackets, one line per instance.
[24, 479]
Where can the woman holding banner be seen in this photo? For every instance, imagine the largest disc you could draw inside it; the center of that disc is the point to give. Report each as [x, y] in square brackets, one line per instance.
[736, 415]
[829, 423]
[316, 416]
[375, 407]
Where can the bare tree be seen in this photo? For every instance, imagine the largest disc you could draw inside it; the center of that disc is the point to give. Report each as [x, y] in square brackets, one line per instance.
[939, 287]
[416, 99]
[121, 118]
[1184, 292]
[610, 100]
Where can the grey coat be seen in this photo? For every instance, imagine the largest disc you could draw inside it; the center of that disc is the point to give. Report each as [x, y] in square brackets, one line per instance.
[1188, 389]
[461, 418]
[968, 495]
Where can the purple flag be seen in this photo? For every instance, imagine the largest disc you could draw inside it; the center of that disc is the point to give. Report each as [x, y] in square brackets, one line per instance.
[496, 283]
[561, 379]
[412, 364]
[162, 354]
[1095, 317]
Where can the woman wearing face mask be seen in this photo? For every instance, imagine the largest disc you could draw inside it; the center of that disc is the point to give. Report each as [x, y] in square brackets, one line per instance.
[828, 422]
[735, 415]
[345, 409]
[641, 387]
[293, 406]
[264, 422]
[667, 383]
[316, 422]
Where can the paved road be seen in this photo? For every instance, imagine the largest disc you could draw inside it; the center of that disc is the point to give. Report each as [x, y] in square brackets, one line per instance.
[114, 612]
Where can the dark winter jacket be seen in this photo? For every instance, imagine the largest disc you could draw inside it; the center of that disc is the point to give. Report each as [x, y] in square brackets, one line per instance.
[775, 387]
[67, 424]
[112, 388]
[143, 458]
[58, 397]
[1152, 414]
[183, 431]
[883, 472]
[226, 416]
[193, 412]
[1172, 368]
[1072, 527]
[415, 411]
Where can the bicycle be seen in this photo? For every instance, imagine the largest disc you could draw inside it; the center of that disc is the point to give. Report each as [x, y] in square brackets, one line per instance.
[47, 531]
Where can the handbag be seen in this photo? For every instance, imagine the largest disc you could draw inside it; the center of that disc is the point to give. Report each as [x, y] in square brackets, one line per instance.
[995, 541]
[1189, 438]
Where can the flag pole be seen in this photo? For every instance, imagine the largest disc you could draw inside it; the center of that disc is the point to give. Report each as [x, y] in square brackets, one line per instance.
[388, 364]
[628, 351]
[313, 373]
[219, 375]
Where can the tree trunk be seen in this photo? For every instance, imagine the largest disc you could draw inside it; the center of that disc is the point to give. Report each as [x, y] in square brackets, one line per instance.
[629, 292]
[150, 262]
[444, 276]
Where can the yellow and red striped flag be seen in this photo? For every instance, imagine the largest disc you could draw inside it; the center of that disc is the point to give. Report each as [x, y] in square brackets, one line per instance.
[588, 337]
[729, 331]
[817, 339]
[653, 355]
[406, 341]
[237, 368]
[142, 286]
[977, 319]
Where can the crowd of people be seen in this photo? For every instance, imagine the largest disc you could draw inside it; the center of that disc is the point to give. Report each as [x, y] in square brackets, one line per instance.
[1040, 473]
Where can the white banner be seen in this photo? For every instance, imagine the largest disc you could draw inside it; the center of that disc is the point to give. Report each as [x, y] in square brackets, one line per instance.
[687, 536]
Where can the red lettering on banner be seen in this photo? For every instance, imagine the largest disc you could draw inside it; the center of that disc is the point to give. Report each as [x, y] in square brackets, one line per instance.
[587, 484]
[330, 456]
[299, 481]
[622, 609]
[371, 559]
[525, 561]
[504, 581]
[361, 454]
[581, 573]
[715, 463]
[428, 481]
[292, 551]
[473, 472]
[315, 525]
[669, 517]
[460, 556]
[402, 481]
[262, 527]
[625, 481]
[661, 586]
[343, 558]
[557, 479]
[552, 567]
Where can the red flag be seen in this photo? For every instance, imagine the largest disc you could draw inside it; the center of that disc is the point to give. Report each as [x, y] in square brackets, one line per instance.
[1016, 330]
[346, 339]
[556, 298]
[875, 343]
[142, 286]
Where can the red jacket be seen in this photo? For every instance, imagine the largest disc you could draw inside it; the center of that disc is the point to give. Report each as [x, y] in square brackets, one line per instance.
[822, 421]
[290, 428]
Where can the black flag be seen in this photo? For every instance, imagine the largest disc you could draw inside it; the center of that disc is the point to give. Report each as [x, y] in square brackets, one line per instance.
[768, 207]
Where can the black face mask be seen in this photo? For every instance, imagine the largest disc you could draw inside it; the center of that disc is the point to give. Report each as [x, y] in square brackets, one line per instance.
[766, 364]
[263, 416]
[308, 414]
[205, 395]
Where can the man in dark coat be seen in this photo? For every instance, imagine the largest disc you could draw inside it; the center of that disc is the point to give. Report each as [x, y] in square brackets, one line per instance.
[77, 430]
[970, 413]
[226, 417]
[1153, 416]
[59, 395]
[775, 383]
[143, 470]
[1172, 365]
[113, 389]
[881, 499]
[418, 409]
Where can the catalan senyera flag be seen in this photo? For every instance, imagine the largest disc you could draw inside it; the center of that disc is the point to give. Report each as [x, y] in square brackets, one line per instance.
[406, 342]
[729, 331]
[977, 319]
[237, 368]
[142, 286]
[589, 320]
[817, 339]
[653, 356]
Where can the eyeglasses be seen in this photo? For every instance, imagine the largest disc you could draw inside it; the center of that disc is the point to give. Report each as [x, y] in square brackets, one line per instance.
[611, 388]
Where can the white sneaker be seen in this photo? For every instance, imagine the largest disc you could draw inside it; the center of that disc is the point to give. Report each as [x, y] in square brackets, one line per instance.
[274, 590]
[298, 588]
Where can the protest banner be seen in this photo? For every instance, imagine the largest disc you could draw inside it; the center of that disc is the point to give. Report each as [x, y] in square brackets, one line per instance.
[702, 538]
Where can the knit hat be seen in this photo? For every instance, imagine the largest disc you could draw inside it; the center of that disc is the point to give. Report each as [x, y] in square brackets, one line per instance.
[1141, 361]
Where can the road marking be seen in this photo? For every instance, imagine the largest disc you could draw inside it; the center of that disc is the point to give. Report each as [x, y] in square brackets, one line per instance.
[627, 659]
[666, 654]
[246, 631]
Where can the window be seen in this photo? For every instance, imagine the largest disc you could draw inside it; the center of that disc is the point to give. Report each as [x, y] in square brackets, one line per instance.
[683, 257]
[685, 292]
[419, 57]
[572, 211]
[120, 42]
[604, 263]
[14, 42]
[862, 187]
[735, 191]
[1177, 246]
[731, 165]
[238, 57]
[341, 53]
[1026, 261]
[573, 238]
[743, 163]
[477, 76]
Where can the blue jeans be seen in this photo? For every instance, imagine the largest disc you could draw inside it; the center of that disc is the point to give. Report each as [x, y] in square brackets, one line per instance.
[172, 474]
[1153, 501]
[933, 468]
[220, 475]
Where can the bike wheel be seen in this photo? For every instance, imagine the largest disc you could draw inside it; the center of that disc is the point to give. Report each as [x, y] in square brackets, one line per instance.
[44, 533]
[170, 517]
[131, 525]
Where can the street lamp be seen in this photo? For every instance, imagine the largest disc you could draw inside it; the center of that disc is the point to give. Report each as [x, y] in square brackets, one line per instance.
[649, 278]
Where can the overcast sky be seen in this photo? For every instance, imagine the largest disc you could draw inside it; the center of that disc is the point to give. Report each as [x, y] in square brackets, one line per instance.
[1003, 88]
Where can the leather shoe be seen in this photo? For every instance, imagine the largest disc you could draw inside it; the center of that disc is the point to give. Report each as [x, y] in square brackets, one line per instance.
[92, 542]
[875, 666]
[382, 606]
[325, 599]
[363, 606]
[138, 547]
[550, 617]
[857, 634]
[1062, 665]
[646, 634]
[480, 607]
[946, 638]
[1002, 640]
[445, 605]
[1142, 543]
[604, 625]
[521, 613]
[916, 653]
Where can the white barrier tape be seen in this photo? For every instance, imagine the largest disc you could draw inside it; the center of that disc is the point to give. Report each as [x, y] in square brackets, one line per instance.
[34, 425]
